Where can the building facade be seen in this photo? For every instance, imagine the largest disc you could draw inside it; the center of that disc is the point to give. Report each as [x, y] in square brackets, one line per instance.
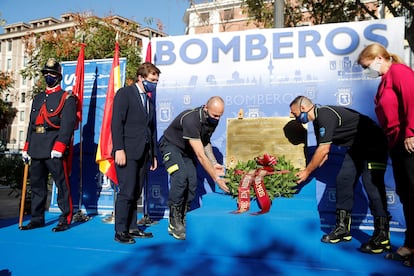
[228, 16]
[217, 16]
[13, 58]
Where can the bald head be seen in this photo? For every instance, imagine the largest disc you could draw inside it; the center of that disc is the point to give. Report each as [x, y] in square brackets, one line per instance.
[215, 107]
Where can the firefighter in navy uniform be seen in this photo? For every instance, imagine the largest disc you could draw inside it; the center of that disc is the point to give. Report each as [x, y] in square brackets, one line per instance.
[186, 141]
[366, 157]
[49, 135]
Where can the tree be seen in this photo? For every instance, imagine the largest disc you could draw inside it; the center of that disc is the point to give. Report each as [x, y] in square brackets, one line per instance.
[7, 112]
[324, 11]
[98, 34]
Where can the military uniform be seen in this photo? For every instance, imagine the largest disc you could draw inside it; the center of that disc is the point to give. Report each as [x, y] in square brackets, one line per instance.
[49, 135]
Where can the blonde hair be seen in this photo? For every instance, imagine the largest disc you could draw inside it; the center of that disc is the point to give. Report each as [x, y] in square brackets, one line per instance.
[373, 50]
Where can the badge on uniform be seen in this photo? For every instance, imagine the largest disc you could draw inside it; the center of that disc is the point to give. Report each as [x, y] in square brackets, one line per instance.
[40, 129]
[322, 132]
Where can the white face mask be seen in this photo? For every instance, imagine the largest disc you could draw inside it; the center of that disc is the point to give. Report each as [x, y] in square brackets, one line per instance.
[373, 70]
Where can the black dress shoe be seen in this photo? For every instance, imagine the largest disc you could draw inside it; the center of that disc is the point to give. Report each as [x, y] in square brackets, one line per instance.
[137, 233]
[31, 226]
[60, 227]
[124, 237]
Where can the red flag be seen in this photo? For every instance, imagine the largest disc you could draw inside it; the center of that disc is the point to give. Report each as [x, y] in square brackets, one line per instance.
[79, 83]
[148, 57]
[103, 155]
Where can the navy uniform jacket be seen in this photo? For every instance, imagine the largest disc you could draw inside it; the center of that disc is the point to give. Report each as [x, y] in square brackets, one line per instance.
[56, 135]
[132, 128]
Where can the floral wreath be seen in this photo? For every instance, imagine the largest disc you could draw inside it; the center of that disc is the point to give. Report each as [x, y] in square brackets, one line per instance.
[268, 176]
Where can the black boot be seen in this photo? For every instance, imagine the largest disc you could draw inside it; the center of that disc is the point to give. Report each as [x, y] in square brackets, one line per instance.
[342, 231]
[184, 211]
[175, 224]
[380, 240]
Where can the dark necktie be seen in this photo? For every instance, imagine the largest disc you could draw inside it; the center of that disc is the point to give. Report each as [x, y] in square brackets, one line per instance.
[144, 100]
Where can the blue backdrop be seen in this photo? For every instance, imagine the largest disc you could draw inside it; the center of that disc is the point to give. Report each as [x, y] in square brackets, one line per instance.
[97, 191]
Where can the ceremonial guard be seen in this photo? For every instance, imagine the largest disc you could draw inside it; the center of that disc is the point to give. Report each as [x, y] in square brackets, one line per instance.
[49, 136]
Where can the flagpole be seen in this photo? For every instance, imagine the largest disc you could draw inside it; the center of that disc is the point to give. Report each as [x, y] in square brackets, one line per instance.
[79, 216]
[110, 219]
[104, 152]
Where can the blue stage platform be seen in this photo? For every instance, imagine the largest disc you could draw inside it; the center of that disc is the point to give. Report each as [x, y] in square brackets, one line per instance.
[285, 241]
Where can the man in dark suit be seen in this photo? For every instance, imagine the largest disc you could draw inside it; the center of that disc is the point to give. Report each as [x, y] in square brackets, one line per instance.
[134, 139]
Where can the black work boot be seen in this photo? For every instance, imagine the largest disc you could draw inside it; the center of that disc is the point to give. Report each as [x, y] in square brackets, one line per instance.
[342, 231]
[184, 211]
[380, 240]
[175, 223]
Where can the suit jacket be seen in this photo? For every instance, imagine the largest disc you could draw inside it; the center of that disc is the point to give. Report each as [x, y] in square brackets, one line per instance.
[132, 127]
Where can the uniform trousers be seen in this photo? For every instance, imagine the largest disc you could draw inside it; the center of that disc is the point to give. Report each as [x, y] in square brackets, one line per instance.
[352, 168]
[183, 178]
[403, 170]
[39, 174]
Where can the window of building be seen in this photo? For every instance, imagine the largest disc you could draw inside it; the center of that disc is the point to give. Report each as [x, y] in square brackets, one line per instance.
[22, 116]
[25, 61]
[23, 97]
[9, 64]
[228, 14]
[204, 18]
[10, 45]
[0, 46]
[21, 136]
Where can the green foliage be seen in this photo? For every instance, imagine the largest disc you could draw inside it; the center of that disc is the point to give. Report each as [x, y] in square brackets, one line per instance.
[279, 182]
[99, 35]
[11, 167]
[7, 112]
[261, 10]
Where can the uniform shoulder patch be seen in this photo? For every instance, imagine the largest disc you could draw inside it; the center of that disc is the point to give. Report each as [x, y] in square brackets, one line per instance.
[322, 132]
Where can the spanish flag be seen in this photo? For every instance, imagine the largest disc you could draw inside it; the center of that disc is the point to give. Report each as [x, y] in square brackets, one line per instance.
[148, 56]
[104, 157]
[79, 83]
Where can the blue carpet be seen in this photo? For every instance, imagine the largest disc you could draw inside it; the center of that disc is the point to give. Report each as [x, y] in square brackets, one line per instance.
[285, 241]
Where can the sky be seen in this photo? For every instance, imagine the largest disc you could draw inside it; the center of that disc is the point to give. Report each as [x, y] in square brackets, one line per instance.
[169, 12]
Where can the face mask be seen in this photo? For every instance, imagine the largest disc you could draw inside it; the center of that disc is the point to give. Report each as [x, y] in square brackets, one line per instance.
[373, 70]
[303, 118]
[149, 87]
[51, 81]
[211, 120]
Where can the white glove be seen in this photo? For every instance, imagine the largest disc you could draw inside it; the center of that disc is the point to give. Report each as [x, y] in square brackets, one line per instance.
[25, 157]
[55, 154]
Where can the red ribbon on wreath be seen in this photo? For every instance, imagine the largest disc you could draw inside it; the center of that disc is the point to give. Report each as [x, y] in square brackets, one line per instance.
[255, 178]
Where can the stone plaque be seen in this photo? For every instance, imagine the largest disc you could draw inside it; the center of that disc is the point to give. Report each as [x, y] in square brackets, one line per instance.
[251, 137]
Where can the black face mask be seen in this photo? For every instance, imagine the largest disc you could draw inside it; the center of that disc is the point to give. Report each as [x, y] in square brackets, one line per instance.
[211, 121]
[51, 81]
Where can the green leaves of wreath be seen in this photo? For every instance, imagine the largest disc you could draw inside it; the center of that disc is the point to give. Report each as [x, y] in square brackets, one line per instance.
[279, 182]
